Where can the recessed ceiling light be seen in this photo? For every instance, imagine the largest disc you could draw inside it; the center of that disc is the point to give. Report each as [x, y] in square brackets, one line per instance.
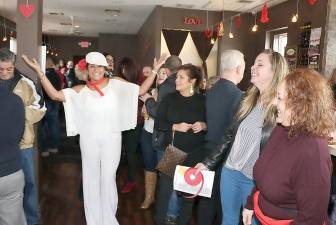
[77, 26]
[65, 23]
[56, 14]
[184, 6]
[245, 1]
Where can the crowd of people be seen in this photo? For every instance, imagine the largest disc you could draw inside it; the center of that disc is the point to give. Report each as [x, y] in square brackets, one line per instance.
[268, 146]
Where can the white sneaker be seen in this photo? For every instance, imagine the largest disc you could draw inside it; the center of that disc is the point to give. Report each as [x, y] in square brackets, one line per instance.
[45, 154]
[53, 150]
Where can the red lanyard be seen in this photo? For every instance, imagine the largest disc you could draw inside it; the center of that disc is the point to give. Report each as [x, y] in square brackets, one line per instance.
[95, 84]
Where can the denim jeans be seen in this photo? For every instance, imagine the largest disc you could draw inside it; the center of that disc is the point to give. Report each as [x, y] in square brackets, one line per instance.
[235, 187]
[148, 153]
[30, 195]
[50, 135]
[174, 205]
[174, 202]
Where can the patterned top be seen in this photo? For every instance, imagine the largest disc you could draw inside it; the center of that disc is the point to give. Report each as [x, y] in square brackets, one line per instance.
[246, 146]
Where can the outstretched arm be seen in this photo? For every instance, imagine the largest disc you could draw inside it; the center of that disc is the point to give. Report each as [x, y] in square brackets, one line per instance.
[47, 86]
[145, 86]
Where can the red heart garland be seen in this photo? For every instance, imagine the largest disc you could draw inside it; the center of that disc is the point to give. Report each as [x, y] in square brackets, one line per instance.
[264, 14]
[26, 9]
[238, 21]
[312, 2]
[208, 33]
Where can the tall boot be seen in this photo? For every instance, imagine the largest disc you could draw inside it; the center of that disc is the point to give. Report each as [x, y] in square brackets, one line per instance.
[150, 186]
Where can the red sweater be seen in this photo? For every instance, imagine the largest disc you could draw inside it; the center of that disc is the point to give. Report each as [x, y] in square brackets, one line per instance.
[293, 177]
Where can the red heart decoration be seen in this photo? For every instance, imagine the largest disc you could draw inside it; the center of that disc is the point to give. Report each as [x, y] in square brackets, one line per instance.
[312, 2]
[208, 33]
[26, 9]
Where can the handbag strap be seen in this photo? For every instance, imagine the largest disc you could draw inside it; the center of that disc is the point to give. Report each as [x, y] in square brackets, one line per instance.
[173, 135]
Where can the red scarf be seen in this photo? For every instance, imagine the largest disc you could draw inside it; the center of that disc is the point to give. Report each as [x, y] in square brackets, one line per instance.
[94, 84]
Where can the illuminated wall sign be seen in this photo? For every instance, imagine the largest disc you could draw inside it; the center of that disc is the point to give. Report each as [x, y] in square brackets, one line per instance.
[192, 21]
[84, 44]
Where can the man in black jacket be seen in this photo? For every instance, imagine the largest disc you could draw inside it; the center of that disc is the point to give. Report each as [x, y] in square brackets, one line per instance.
[12, 119]
[222, 101]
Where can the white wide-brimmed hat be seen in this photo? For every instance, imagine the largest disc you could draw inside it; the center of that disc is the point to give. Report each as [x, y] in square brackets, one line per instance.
[96, 58]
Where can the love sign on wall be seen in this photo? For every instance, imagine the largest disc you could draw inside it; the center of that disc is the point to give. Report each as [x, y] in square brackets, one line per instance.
[193, 21]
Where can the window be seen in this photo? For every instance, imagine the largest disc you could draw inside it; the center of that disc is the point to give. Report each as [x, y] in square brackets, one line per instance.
[279, 43]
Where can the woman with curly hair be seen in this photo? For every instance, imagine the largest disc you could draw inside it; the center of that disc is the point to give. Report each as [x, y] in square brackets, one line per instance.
[293, 173]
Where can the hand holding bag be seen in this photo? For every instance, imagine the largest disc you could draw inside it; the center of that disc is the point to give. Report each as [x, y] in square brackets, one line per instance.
[171, 158]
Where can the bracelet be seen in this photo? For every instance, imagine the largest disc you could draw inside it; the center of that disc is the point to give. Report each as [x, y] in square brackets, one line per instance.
[155, 72]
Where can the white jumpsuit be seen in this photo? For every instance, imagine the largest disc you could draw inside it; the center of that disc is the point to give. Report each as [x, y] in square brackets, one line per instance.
[99, 120]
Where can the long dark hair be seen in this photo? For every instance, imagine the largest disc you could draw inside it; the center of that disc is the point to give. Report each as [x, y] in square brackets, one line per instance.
[127, 70]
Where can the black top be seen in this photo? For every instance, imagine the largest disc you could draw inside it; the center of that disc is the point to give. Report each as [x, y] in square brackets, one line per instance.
[54, 80]
[12, 119]
[222, 101]
[167, 87]
[176, 108]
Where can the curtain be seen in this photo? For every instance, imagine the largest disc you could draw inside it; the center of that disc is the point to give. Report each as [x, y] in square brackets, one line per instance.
[203, 46]
[175, 40]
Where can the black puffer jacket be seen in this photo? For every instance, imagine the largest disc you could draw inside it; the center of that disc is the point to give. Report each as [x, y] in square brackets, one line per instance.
[220, 152]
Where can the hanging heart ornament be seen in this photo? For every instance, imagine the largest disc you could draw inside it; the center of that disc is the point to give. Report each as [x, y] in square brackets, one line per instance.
[312, 2]
[26, 9]
[208, 33]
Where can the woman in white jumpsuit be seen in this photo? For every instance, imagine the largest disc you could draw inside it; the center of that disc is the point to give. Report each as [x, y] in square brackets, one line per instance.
[98, 111]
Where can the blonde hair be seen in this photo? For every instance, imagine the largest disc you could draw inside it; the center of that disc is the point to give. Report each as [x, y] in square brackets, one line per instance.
[280, 69]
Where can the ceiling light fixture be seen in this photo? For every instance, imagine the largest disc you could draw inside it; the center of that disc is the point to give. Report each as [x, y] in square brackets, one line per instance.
[296, 16]
[230, 33]
[5, 34]
[255, 26]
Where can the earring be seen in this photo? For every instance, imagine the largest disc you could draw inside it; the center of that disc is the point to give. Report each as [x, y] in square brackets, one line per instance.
[191, 89]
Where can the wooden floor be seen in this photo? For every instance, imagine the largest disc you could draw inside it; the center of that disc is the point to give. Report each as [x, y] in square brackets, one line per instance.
[60, 182]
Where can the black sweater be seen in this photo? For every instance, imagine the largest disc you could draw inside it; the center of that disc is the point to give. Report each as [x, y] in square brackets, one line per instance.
[12, 118]
[175, 109]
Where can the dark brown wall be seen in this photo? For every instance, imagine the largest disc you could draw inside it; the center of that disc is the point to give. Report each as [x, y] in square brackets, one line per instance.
[251, 44]
[119, 45]
[68, 46]
[149, 38]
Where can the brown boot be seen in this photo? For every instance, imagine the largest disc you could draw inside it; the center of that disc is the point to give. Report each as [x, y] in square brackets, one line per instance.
[150, 186]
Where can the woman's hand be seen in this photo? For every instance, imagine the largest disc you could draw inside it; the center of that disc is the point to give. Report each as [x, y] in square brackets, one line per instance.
[32, 63]
[247, 216]
[201, 166]
[181, 127]
[198, 127]
[145, 97]
[158, 63]
[155, 93]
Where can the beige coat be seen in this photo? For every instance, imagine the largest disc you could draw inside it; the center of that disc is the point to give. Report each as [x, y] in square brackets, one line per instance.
[34, 107]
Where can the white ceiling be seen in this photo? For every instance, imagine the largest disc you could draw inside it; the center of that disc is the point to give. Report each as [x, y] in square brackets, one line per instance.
[91, 18]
